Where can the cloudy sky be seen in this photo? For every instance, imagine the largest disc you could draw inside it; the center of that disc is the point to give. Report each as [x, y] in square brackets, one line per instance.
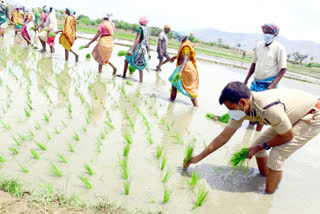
[297, 19]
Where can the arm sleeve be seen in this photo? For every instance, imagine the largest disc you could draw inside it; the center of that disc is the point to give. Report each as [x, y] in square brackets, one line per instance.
[282, 58]
[278, 119]
[140, 30]
[235, 124]
[254, 60]
[100, 28]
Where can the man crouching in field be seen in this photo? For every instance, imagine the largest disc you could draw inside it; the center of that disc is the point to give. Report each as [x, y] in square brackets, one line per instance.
[294, 117]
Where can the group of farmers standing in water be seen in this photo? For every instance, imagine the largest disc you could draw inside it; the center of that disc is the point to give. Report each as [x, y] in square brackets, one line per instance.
[292, 123]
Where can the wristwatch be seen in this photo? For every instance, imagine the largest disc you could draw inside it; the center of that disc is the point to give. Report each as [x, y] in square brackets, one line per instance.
[265, 146]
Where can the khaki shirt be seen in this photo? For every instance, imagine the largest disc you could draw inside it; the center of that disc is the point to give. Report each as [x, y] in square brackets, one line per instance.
[294, 105]
[269, 60]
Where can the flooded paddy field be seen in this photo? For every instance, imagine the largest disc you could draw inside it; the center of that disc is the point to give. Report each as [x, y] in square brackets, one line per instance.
[70, 129]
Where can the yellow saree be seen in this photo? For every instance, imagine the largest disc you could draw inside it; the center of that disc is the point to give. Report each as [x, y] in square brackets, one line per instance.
[68, 35]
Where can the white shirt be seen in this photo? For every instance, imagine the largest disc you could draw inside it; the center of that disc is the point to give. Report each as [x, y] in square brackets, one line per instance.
[269, 60]
[51, 23]
[164, 41]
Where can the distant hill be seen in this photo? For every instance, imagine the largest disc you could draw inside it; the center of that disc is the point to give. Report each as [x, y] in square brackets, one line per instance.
[248, 41]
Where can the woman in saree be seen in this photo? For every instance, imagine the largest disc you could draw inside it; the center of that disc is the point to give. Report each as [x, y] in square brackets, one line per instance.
[27, 29]
[188, 82]
[50, 24]
[43, 17]
[4, 14]
[17, 19]
[139, 54]
[68, 35]
[103, 50]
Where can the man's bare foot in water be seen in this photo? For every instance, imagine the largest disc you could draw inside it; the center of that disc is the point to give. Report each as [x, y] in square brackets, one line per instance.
[114, 71]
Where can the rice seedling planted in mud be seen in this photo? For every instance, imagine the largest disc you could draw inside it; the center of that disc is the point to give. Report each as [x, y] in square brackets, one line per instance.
[159, 151]
[13, 150]
[2, 159]
[126, 150]
[194, 179]
[5, 125]
[86, 182]
[62, 158]
[88, 169]
[46, 118]
[166, 195]
[109, 124]
[128, 137]
[238, 158]
[24, 168]
[76, 136]
[37, 125]
[124, 168]
[70, 147]
[149, 138]
[22, 137]
[163, 162]
[54, 170]
[27, 112]
[41, 146]
[16, 141]
[166, 177]
[35, 154]
[126, 186]
[201, 196]
[49, 136]
[188, 155]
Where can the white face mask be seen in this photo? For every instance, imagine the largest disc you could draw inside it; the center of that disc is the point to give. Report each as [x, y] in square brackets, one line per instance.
[268, 38]
[236, 114]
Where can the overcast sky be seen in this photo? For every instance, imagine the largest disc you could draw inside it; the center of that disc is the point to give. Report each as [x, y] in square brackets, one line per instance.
[297, 19]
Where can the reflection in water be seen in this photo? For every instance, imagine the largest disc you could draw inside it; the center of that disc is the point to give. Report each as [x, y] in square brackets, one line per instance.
[63, 81]
[98, 96]
[44, 73]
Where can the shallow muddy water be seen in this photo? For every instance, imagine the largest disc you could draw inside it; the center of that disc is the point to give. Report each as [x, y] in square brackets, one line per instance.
[77, 101]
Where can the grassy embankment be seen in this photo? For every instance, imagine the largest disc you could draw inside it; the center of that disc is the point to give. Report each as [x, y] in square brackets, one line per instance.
[202, 49]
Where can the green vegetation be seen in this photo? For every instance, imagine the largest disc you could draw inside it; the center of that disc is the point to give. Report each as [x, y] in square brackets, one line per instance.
[109, 124]
[41, 146]
[238, 158]
[126, 186]
[76, 136]
[46, 118]
[82, 47]
[124, 168]
[166, 195]
[128, 137]
[201, 196]
[128, 82]
[23, 168]
[163, 162]
[159, 151]
[54, 170]
[166, 177]
[194, 179]
[188, 155]
[35, 154]
[13, 150]
[131, 69]
[2, 158]
[149, 138]
[126, 150]
[70, 147]
[88, 169]
[5, 125]
[85, 181]
[13, 187]
[122, 53]
[62, 158]
[88, 56]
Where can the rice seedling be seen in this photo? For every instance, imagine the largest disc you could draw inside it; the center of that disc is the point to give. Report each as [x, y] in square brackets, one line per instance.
[102, 135]
[49, 136]
[46, 118]
[23, 138]
[20, 119]
[24, 168]
[108, 117]
[85, 181]
[166, 177]
[204, 144]
[128, 82]
[84, 129]
[163, 162]
[16, 141]
[29, 106]
[109, 124]
[70, 147]
[64, 124]
[88, 169]
[239, 158]
[56, 130]
[5, 125]
[194, 179]
[98, 147]
[88, 56]
[35, 154]
[37, 125]
[124, 168]
[188, 155]
[166, 195]
[201, 196]
[126, 186]
[82, 47]
[76, 136]
[31, 135]
[62, 158]
[149, 138]
[159, 151]
[178, 138]
[13, 150]
[122, 53]
[27, 112]
[2, 159]
[46, 30]
[126, 150]
[156, 115]
[128, 137]
[131, 69]
[54, 170]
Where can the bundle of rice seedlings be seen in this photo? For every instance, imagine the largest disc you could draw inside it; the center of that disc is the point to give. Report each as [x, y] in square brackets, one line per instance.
[128, 82]
[238, 158]
[122, 53]
[166, 195]
[54, 170]
[62, 158]
[163, 162]
[46, 30]
[166, 177]
[24, 168]
[51, 35]
[224, 118]
[2, 159]
[188, 155]
[126, 186]
[85, 181]
[211, 116]
[131, 69]
[194, 179]
[35, 47]
[82, 47]
[35, 154]
[41, 146]
[88, 169]
[126, 150]
[201, 196]
[88, 56]
[176, 77]
[57, 131]
[159, 151]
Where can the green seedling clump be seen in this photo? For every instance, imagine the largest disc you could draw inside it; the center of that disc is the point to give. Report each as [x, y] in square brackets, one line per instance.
[188, 155]
[62, 158]
[85, 181]
[2, 159]
[54, 170]
[131, 69]
[194, 179]
[128, 138]
[35, 47]
[238, 158]
[166, 177]
[5, 125]
[41, 146]
[14, 150]
[35, 154]
[82, 47]
[76, 136]
[163, 162]
[46, 118]
[126, 150]
[24, 168]
[159, 151]
[109, 124]
[128, 82]
[122, 53]
[88, 169]
[201, 196]
[12, 187]
[88, 56]
[126, 186]
[176, 77]
[149, 138]
[51, 35]
[124, 168]
[70, 147]
[27, 112]
[46, 30]
[166, 196]
[211, 116]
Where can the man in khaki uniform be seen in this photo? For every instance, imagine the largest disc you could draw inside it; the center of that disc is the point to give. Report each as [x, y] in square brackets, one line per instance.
[294, 117]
